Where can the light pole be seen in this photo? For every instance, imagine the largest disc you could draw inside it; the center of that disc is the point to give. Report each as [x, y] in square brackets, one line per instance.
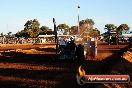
[78, 7]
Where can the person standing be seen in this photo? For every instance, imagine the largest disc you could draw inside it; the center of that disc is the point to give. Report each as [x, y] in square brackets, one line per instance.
[62, 44]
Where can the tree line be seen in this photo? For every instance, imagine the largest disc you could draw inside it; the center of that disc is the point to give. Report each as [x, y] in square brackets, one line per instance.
[119, 29]
[32, 29]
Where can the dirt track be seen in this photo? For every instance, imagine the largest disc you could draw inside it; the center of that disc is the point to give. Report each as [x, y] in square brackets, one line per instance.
[34, 71]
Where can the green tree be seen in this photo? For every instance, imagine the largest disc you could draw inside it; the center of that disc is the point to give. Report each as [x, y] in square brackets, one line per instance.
[28, 25]
[110, 27]
[44, 29]
[73, 30]
[123, 27]
[63, 28]
[34, 28]
[31, 28]
[9, 34]
[35, 24]
[2, 35]
[22, 33]
[89, 23]
[50, 32]
[85, 26]
[94, 32]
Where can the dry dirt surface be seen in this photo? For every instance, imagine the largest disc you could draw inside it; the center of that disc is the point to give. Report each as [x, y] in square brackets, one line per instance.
[128, 55]
[35, 66]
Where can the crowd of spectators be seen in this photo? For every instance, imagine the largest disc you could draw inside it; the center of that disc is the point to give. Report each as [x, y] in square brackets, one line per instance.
[24, 40]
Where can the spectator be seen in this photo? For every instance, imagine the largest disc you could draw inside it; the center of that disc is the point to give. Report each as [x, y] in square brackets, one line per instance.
[62, 44]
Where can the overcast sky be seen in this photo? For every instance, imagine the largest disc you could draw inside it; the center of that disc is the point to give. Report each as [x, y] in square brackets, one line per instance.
[14, 13]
